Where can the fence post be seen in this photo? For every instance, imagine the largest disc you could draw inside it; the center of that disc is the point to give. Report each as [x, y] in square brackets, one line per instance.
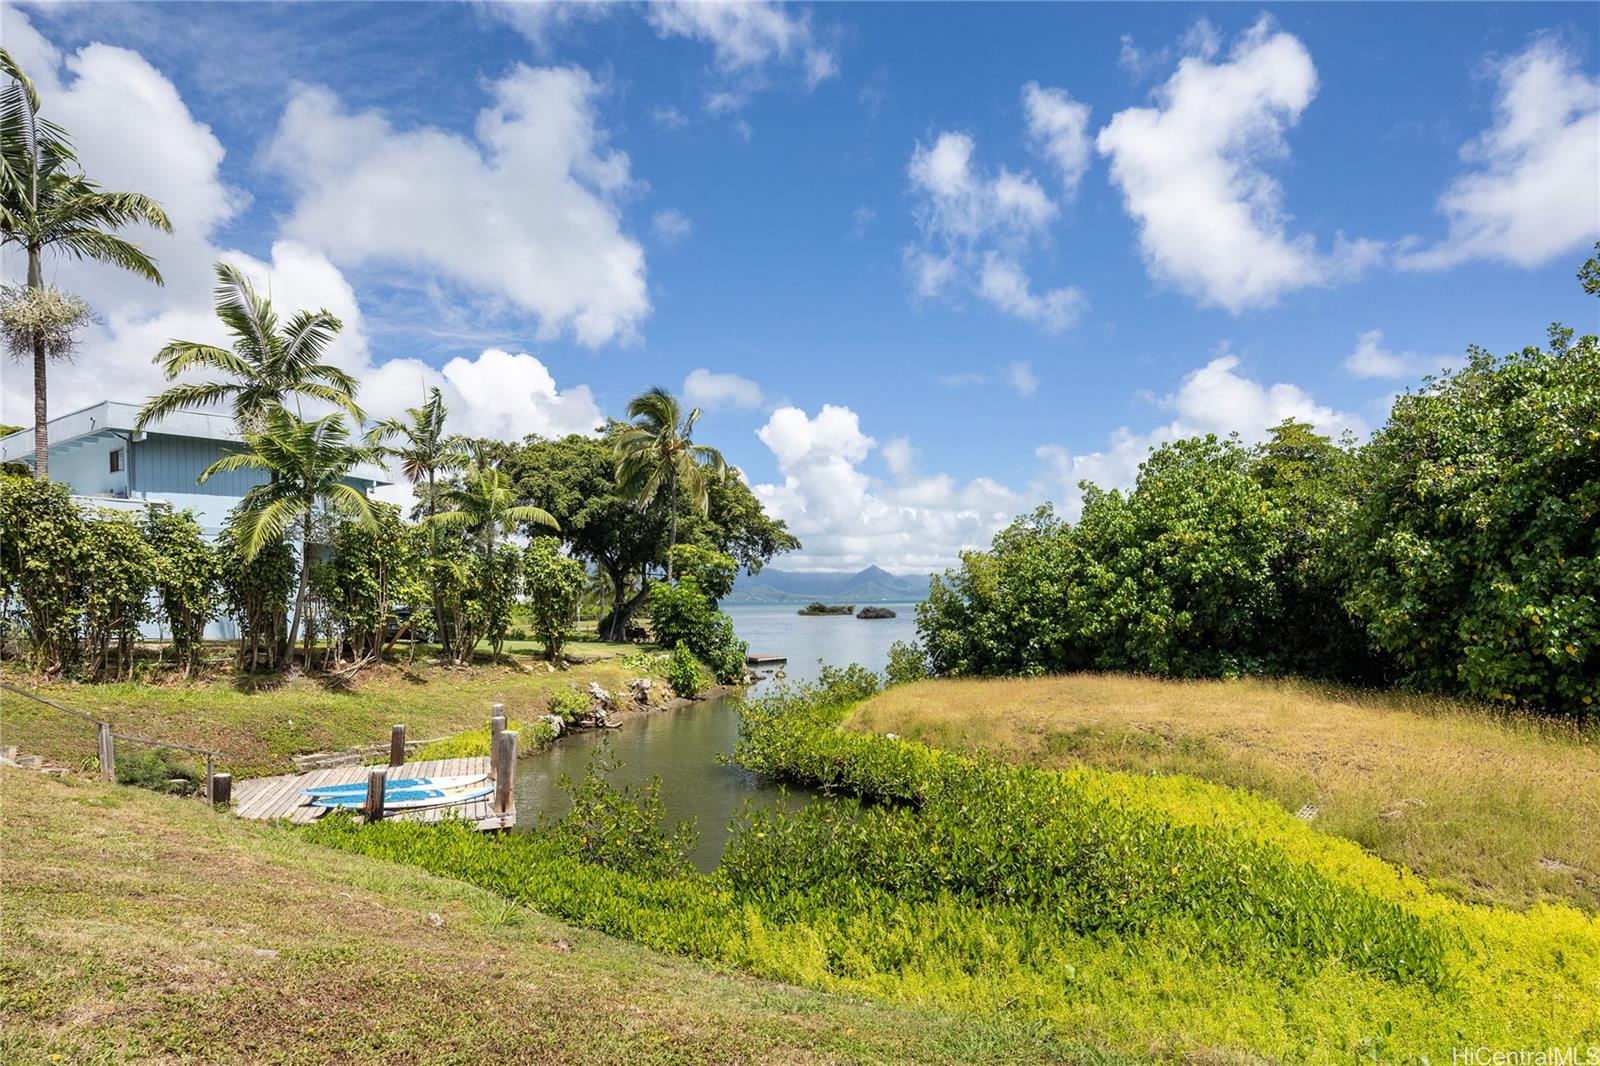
[108, 753]
[222, 789]
[397, 745]
[377, 778]
[211, 778]
[505, 760]
[497, 726]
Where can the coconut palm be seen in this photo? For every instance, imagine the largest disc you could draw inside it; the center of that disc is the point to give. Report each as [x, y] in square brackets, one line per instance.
[266, 366]
[484, 504]
[656, 452]
[46, 203]
[425, 452]
[309, 462]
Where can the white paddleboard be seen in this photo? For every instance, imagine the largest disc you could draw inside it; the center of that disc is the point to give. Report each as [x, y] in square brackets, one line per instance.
[410, 799]
[399, 784]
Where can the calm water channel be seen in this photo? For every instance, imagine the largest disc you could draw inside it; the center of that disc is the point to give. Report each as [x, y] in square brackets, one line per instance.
[682, 746]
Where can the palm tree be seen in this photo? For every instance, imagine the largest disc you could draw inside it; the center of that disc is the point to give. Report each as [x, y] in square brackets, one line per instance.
[485, 504]
[656, 451]
[309, 462]
[424, 453]
[47, 203]
[267, 364]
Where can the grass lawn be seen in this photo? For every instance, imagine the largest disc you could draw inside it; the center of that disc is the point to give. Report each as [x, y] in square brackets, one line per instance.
[258, 723]
[1490, 809]
[146, 928]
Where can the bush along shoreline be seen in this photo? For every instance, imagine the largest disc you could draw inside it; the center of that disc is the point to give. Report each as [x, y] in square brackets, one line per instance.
[1152, 915]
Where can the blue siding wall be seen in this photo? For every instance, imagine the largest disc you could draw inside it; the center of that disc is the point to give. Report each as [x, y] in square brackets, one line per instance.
[86, 466]
[164, 465]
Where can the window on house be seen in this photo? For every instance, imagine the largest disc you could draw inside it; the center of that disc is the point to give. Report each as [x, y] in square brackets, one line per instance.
[116, 460]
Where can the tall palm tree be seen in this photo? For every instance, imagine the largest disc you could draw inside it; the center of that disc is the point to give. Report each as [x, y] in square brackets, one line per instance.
[656, 451]
[425, 452]
[485, 504]
[309, 462]
[267, 364]
[47, 203]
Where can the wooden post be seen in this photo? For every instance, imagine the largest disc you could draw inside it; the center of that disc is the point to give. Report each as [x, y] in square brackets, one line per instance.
[397, 745]
[505, 763]
[108, 753]
[222, 789]
[211, 774]
[497, 726]
[377, 778]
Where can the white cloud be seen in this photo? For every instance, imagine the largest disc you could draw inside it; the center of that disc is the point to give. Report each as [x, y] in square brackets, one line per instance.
[713, 391]
[1214, 398]
[540, 22]
[134, 132]
[668, 117]
[1533, 191]
[527, 211]
[961, 380]
[748, 36]
[1058, 126]
[975, 228]
[1211, 219]
[847, 519]
[1020, 376]
[1370, 359]
[671, 225]
[860, 219]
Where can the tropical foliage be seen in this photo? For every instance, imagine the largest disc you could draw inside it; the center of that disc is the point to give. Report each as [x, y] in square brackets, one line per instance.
[657, 456]
[47, 204]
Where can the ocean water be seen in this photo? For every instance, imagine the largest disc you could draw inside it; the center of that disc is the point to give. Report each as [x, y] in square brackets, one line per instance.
[837, 640]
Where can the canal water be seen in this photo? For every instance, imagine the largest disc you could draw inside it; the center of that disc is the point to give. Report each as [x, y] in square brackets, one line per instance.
[682, 746]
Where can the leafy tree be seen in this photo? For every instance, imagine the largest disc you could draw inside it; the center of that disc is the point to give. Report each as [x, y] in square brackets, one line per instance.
[712, 570]
[46, 203]
[682, 616]
[372, 568]
[1474, 549]
[309, 462]
[41, 537]
[485, 506]
[186, 579]
[117, 569]
[553, 582]
[425, 451]
[265, 367]
[656, 452]
[254, 588]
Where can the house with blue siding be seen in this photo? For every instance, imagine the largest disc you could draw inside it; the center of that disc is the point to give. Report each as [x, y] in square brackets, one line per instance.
[104, 462]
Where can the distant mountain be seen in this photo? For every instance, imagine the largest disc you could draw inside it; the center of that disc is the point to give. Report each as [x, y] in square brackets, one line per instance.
[872, 585]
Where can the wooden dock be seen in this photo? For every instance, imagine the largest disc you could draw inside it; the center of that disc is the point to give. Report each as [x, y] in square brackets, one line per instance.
[765, 658]
[281, 798]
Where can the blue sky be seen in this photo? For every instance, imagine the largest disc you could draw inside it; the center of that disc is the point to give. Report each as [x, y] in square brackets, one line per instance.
[933, 263]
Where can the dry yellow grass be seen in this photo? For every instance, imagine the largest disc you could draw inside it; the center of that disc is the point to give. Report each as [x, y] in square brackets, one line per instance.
[1489, 808]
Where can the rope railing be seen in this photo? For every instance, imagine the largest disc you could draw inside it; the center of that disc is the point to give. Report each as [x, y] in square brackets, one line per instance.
[108, 738]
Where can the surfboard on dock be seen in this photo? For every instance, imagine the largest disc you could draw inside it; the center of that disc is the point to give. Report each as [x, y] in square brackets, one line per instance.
[397, 784]
[409, 799]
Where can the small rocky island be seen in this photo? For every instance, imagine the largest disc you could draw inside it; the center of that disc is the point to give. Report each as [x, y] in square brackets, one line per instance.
[828, 608]
[875, 612]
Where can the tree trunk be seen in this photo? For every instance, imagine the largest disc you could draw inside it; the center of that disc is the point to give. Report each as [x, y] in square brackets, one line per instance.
[41, 407]
[672, 535]
[300, 593]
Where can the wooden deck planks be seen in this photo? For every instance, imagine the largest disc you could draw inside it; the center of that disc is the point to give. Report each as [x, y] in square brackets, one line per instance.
[283, 798]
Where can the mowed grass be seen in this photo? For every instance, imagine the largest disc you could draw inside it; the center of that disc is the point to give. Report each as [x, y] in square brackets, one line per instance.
[143, 928]
[1487, 808]
[260, 722]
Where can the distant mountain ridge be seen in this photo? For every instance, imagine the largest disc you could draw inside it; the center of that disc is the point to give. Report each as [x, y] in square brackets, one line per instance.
[872, 585]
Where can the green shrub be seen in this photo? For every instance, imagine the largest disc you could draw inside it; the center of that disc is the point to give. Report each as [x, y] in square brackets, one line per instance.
[907, 662]
[569, 704]
[682, 614]
[472, 743]
[160, 770]
[623, 829]
[684, 673]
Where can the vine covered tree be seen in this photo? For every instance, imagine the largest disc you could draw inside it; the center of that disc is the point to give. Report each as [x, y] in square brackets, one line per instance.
[47, 204]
